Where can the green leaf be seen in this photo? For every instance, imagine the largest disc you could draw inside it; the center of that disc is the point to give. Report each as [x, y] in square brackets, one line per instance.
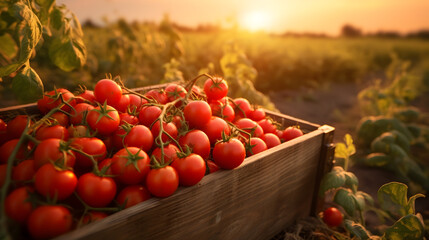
[332, 180]
[393, 199]
[408, 227]
[8, 47]
[341, 151]
[68, 54]
[29, 29]
[345, 198]
[27, 85]
[350, 146]
[357, 230]
[46, 7]
[352, 181]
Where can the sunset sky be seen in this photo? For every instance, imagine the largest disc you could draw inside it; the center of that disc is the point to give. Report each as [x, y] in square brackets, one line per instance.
[321, 16]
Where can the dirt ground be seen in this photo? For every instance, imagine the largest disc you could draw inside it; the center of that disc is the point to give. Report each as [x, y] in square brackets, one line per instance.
[337, 105]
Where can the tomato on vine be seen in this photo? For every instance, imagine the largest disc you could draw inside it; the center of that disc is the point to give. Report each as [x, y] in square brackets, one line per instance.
[215, 88]
[96, 191]
[107, 91]
[197, 141]
[163, 181]
[197, 113]
[103, 119]
[54, 183]
[132, 195]
[49, 221]
[17, 205]
[130, 165]
[332, 217]
[229, 154]
[191, 169]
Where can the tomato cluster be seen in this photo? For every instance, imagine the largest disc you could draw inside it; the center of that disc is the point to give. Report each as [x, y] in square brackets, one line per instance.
[90, 154]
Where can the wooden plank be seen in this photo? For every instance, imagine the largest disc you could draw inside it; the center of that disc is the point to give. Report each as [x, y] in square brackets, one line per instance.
[255, 201]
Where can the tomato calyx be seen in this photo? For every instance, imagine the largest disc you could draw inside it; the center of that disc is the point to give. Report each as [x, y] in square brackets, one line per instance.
[133, 158]
[103, 111]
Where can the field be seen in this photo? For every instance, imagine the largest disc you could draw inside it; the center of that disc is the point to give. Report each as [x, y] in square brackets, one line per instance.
[334, 81]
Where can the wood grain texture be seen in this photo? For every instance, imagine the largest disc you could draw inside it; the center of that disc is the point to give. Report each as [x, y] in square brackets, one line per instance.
[255, 201]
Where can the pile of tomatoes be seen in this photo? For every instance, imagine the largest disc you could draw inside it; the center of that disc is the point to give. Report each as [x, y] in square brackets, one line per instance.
[89, 154]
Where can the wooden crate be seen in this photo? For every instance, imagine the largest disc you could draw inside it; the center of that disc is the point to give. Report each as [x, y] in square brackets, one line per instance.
[257, 200]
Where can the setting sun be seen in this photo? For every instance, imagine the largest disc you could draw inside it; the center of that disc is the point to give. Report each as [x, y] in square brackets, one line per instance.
[255, 21]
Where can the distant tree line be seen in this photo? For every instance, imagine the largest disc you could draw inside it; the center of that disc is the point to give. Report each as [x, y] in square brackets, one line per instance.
[349, 30]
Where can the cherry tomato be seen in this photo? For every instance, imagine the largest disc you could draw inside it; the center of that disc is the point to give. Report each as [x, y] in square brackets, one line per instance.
[96, 191]
[80, 110]
[271, 140]
[52, 99]
[87, 95]
[122, 104]
[290, 133]
[128, 118]
[78, 131]
[104, 119]
[257, 145]
[49, 221]
[105, 166]
[53, 150]
[249, 126]
[108, 91]
[56, 131]
[16, 126]
[230, 154]
[175, 91]
[162, 182]
[59, 118]
[132, 195]
[149, 114]
[197, 141]
[222, 110]
[332, 217]
[93, 216]
[242, 108]
[191, 169]
[170, 128]
[136, 102]
[215, 88]
[7, 148]
[211, 167]
[267, 125]
[158, 95]
[3, 125]
[55, 183]
[130, 165]
[170, 153]
[24, 171]
[17, 206]
[214, 129]
[139, 136]
[91, 146]
[257, 114]
[197, 113]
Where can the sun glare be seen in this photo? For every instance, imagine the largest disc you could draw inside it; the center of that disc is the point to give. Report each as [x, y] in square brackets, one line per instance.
[255, 21]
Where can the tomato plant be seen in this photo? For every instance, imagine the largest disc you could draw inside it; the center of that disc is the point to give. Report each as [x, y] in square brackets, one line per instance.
[332, 217]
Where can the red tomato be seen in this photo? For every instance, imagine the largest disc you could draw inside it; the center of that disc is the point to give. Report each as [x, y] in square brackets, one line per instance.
[128, 118]
[162, 182]
[93, 216]
[257, 114]
[257, 145]
[80, 110]
[139, 136]
[242, 108]
[170, 153]
[53, 150]
[7, 148]
[105, 166]
[211, 167]
[215, 88]
[16, 126]
[191, 169]
[91, 146]
[17, 206]
[105, 119]
[52, 99]
[169, 128]
[197, 141]
[78, 131]
[4, 137]
[197, 113]
[221, 110]
[136, 102]
[290, 133]
[3, 125]
[122, 105]
[49, 221]
[54, 183]
[230, 154]
[108, 91]
[24, 171]
[56, 131]
[87, 95]
[214, 129]
[130, 165]
[271, 140]
[332, 217]
[267, 125]
[175, 91]
[249, 126]
[149, 114]
[60, 118]
[96, 191]
[158, 95]
[132, 195]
